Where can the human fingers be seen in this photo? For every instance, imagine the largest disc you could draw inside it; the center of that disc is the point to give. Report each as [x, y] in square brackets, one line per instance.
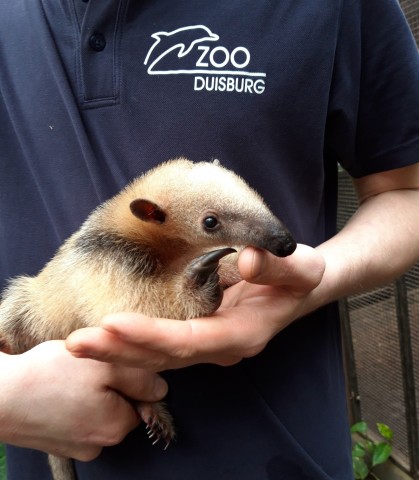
[108, 426]
[155, 344]
[73, 407]
[137, 383]
[134, 383]
[106, 346]
[302, 271]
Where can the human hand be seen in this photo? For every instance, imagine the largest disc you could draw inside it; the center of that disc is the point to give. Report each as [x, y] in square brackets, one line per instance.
[70, 407]
[273, 294]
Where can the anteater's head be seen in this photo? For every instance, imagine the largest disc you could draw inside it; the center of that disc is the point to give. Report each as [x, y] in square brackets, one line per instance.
[198, 207]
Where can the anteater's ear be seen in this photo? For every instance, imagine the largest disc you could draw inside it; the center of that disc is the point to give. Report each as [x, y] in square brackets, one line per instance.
[147, 211]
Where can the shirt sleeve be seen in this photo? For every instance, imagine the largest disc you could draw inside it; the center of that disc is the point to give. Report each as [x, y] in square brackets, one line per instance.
[373, 117]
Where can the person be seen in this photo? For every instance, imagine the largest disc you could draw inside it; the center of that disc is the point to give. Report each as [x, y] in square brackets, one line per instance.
[94, 93]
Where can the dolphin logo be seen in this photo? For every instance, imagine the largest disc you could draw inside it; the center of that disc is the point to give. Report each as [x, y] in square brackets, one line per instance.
[184, 39]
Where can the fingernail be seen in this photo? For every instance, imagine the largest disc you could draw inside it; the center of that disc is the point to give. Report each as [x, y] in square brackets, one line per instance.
[160, 388]
[258, 262]
[83, 354]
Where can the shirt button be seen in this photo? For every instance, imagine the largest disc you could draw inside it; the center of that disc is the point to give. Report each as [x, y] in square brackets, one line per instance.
[97, 41]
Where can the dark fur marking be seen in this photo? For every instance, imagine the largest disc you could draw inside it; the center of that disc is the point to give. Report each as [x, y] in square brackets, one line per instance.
[135, 258]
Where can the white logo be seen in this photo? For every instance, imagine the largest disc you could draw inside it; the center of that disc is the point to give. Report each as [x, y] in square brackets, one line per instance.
[214, 68]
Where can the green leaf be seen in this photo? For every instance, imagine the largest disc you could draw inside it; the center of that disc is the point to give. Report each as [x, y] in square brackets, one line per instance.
[2, 462]
[360, 427]
[382, 452]
[369, 446]
[385, 431]
[358, 450]
[360, 468]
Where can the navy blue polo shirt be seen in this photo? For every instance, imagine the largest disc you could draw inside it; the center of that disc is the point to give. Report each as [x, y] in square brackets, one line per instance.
[94, 93]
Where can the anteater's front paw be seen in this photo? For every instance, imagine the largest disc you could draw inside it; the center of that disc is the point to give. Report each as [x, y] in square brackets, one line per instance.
[202, 280]
[159, 422]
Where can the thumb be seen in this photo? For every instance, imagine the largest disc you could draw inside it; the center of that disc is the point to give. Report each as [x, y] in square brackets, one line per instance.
[137, 383]
[301, 271]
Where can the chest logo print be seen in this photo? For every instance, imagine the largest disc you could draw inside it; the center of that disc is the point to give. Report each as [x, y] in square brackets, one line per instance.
[213, 66]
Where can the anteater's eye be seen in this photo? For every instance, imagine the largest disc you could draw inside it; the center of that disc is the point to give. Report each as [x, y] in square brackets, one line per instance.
[210, 223]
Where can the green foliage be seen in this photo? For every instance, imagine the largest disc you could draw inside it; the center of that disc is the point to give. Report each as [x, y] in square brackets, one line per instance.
[366, 454]
[2, 462]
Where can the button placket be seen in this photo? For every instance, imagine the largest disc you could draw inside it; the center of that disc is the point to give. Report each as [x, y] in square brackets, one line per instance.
[99, 52]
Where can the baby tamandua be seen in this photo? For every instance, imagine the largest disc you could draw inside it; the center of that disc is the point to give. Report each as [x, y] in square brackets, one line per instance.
[154, 248]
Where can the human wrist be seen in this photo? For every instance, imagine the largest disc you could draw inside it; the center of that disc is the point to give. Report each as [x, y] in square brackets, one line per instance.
[335, 282]
[13, 389]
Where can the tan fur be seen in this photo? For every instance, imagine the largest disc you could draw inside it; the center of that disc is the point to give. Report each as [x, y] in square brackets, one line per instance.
[118, 262]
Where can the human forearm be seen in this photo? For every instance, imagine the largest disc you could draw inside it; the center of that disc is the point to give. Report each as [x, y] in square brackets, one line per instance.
[378, 244]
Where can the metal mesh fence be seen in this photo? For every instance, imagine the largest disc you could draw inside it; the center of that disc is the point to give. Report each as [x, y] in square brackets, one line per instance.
[378, 364]
[378, 347]
[412, 284]
[411, 10]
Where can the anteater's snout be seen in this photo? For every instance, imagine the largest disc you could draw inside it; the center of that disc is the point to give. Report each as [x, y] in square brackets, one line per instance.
[278, 240]
[286, 246]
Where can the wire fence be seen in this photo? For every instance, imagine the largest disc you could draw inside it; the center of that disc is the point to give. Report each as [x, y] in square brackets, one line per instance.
[411, 10]
[381, 343]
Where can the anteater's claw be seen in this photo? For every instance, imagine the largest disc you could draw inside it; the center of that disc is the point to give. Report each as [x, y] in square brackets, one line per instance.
[157, 433]
[206, 265]
[158, 423]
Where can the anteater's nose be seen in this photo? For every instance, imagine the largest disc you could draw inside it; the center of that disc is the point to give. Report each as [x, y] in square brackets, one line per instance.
[286, 247]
